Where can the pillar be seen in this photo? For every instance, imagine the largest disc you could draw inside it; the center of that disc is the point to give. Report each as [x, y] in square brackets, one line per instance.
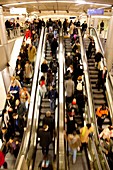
[109, 44]
[4, 42]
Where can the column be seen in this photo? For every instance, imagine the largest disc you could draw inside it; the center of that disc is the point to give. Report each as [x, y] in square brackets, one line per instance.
[95, 24]
[4, 42]
[109, 44]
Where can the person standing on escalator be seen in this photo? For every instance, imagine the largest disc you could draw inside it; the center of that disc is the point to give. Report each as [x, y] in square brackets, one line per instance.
[45, 139]
[102, 112]
[101, 26]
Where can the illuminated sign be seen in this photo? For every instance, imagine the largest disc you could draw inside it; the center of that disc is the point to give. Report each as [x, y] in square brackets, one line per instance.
[18, 11]
[95, 11]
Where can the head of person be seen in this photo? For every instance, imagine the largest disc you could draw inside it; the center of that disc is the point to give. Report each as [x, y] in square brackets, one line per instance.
[11, 140]
[88, 125]
[74, 133]
[4, 129]
[48, 114]
[45, 62]
[17, 102]
[103, 106]
[15, 116]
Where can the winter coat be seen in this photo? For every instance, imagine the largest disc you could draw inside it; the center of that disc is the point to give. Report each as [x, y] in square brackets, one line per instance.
[84, 134]
[69, 86]
[44, 68]
[45, 138]
[28, 70]
[31, 53]
[74, 141]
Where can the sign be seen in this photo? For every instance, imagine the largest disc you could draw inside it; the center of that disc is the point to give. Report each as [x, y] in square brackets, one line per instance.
[72, 17]
[18, 11]
[95, 11]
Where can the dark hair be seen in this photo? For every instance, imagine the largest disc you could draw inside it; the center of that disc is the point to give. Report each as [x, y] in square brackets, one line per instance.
[4, 128]
[88, 125]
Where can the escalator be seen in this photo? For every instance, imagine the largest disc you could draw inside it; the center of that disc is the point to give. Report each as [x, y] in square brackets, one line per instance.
[44, 107]
[81, 161]
[98, 96]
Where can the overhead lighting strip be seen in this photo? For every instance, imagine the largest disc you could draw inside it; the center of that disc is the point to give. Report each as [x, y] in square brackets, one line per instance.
[58, 1]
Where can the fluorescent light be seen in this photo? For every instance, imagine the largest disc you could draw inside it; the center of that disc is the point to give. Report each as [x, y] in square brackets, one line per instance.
[76, 2]
[18, 10]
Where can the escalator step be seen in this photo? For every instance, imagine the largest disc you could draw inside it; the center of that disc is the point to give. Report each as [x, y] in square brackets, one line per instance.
[99, 102]
[68, 50]
[100, 96]
[44, 110]
[93, 76]
[45, 104]
[96, 91]
[93, 81]
[93, 72]
[92, 68]
[45, 100]
[91, 60]
[42, 116]
[91, 64]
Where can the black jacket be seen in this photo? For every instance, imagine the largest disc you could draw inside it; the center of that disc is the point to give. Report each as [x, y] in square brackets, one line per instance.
[45, 138]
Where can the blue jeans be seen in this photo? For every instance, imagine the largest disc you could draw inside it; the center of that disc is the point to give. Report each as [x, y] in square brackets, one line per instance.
[52, 105]
[74, 152]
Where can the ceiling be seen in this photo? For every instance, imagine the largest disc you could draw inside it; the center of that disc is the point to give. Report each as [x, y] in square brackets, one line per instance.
[46, 7]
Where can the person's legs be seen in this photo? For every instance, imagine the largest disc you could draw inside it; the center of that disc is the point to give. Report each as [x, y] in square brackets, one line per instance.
[74, 155]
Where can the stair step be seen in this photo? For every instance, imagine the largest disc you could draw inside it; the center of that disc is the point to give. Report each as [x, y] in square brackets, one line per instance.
[93, 76]
[91, 60]
[96, 91]
[44, 110]
[92, 68]
[45, 105]
[98, 96]
[99, 102]
[93, 72]
[42, 116]
[45, 100]
[91, 64]
[93, 81]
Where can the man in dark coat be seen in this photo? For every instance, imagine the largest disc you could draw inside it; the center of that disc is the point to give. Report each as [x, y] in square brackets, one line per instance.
[54, 45]
[49, 120]
[45, 139]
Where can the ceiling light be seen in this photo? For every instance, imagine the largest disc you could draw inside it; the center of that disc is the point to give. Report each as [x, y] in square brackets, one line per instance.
[58, 1]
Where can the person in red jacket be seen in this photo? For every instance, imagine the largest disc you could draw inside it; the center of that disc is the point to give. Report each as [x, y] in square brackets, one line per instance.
[27, 34]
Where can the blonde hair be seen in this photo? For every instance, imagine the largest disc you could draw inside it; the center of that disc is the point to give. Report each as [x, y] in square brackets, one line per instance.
[48, 113]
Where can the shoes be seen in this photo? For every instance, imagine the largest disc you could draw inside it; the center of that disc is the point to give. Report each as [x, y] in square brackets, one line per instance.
[74, 161]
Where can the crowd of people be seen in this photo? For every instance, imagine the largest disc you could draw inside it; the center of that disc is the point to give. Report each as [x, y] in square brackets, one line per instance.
[76, 134]
[14, 115]
[48, 90]
[18, 97]
[102, 112]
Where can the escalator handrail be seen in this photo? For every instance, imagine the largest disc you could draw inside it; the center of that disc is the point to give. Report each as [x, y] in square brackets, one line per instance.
[61, 155]
[98, 39]
[25, 142]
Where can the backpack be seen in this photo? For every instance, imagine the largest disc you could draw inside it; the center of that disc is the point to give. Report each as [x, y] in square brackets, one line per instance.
[79, 86]
[54, 67]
